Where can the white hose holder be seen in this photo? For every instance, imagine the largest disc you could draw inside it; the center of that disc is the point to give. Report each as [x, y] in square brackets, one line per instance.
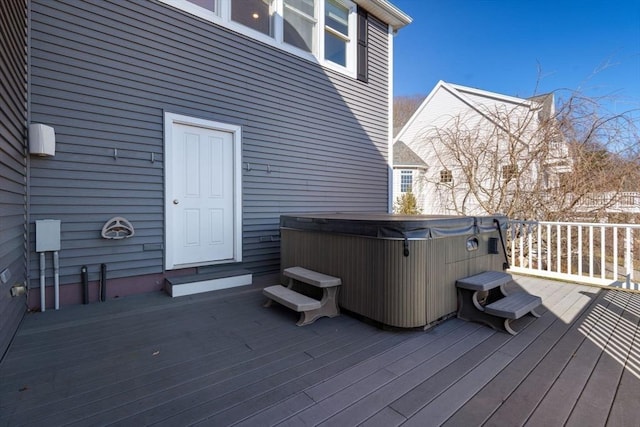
[117, 228]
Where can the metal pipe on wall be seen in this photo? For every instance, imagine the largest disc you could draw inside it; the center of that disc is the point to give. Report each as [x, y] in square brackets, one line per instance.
[103, 282]
[85, 284]
[56, 279]
[42, 283]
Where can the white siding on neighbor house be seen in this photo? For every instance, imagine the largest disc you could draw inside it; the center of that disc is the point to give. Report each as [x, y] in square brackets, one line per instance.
[440, 111]
[104, 73]
[443, 106]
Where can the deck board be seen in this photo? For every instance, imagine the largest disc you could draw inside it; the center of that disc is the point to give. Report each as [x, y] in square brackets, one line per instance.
[520, 404]
[596, 399]
[223, 359]
[625, 409]
[461, 392]
[547, 331]
[572, 382]
[222, 383]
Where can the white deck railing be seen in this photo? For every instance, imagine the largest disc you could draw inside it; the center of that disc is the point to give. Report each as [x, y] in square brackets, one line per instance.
[594, 253]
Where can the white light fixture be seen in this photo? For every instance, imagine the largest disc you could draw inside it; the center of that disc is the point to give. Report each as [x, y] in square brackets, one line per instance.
[42, 140]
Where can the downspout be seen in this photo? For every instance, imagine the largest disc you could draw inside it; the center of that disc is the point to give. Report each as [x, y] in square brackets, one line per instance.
[56, 279]
[42, 282]
[27, 216]
[390, 121]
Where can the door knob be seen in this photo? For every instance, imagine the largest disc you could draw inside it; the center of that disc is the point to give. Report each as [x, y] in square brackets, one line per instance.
[176, 201]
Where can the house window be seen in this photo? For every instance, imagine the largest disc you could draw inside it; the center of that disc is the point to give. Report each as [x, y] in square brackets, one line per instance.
[336, 32]
[509, 172]
[255, 14]
[406, 181]
[300, 23]
[320, 30]
[446, 176]
[210, 5]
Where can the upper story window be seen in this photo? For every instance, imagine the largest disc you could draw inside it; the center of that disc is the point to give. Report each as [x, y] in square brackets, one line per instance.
[255, 14]
[300, 24]
[321, 30]
[336, 32]
[209, 5]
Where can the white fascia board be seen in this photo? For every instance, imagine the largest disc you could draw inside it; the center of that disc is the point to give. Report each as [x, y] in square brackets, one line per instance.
[456, 90]
[401, 166]
[493, 95]
[387, 12]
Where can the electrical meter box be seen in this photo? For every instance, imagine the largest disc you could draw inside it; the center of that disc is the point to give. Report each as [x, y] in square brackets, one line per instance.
[47, 235]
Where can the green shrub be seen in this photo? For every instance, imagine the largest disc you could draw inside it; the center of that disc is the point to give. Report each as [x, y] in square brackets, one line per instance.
[407, 204]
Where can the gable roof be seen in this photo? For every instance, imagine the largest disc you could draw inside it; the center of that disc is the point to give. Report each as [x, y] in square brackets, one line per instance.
[405, 156]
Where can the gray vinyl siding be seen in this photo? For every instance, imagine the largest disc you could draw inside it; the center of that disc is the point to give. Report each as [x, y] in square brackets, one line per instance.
[103, 74]
[13, 98]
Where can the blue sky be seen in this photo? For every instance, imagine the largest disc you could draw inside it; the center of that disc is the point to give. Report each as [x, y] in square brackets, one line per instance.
[498, 45]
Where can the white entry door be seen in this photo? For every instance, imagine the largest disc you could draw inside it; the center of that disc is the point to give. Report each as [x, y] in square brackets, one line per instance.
[200, 194]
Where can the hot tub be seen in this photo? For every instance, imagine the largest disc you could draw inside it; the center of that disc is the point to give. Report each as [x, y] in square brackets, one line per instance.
[396, 270]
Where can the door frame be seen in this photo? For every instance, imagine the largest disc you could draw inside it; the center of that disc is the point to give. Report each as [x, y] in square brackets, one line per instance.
[236, 136]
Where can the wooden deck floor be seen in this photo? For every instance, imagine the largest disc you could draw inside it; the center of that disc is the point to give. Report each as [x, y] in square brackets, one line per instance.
[223, 359]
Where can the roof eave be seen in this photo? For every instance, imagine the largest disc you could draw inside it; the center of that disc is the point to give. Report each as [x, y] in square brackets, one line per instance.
[387, 12]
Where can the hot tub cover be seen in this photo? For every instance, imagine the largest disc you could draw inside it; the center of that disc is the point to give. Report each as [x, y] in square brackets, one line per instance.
[389, 226]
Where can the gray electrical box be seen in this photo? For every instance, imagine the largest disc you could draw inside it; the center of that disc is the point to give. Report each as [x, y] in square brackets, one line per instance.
[47, 235]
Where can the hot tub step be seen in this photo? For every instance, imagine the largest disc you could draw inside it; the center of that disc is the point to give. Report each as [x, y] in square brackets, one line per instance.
[290, 298]
[513, 306]
[311, 277]
[310, 309]
[484, 281]
[481, 298]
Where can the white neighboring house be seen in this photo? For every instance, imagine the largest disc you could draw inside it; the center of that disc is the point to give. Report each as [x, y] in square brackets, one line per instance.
[493, 134]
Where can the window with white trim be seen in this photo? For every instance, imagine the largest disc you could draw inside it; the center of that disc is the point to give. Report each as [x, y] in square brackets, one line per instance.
[254, 14]
[300, 21]
[336, 32]
[320, 30]
[210, 5]
[406, 181]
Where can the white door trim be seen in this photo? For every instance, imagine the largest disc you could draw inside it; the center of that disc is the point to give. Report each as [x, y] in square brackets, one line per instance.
[236, 131]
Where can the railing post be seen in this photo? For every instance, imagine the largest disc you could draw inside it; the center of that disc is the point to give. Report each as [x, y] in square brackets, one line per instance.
[603, 254]
[530, 245]
[539, 246]
[591, 251]
[513, 241]
[627, 253]
[580, 250]
[558, 249]
[548, 247]
[523, 228]
[569, 249]
[615, 253]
